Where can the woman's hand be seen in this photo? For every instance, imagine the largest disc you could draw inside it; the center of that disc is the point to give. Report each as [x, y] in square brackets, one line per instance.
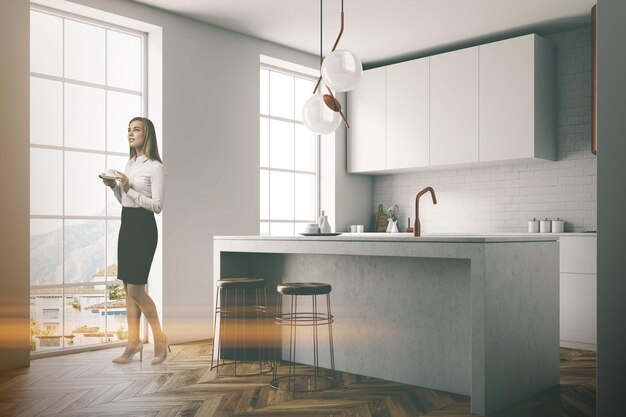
[108, 183]
[124, 182]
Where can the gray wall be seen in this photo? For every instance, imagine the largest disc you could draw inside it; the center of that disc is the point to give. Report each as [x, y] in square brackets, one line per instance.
[611, 208]
[502, 198]
[14, 183]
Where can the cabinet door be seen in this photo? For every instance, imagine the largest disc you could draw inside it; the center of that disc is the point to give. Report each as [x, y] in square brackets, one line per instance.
[454, 107]
[578, 254]
[407, 114]
[578, 308]
[366, 115]
[507, 99]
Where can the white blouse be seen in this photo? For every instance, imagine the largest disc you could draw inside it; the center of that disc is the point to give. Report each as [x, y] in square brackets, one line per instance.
[146, 184]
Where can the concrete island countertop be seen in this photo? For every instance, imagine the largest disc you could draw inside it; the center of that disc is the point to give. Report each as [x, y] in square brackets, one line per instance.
[471, 314]
[408, 237]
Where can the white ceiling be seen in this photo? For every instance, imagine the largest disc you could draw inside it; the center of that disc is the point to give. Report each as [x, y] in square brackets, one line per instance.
[383, 31]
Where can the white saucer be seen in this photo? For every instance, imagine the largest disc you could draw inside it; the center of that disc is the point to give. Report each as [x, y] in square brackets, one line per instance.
[107, 177]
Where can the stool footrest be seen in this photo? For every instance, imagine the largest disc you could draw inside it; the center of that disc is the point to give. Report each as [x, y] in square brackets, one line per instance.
[303, 319]
[225, 311]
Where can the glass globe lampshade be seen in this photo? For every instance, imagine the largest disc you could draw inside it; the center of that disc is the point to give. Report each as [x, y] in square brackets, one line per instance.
[341, 70]
[318, 118]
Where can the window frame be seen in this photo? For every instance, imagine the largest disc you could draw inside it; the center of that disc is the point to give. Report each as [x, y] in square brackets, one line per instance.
[317, 173]
[143, 94]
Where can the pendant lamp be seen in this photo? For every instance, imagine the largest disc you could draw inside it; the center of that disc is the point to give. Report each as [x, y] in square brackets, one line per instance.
[318, 117]
[341, 71]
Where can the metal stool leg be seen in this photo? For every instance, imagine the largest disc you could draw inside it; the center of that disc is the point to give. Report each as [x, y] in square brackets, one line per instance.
[294, 318]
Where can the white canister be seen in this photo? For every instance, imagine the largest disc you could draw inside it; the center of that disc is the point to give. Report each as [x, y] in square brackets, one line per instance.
[558, 226]
[545, 226]
[533, 226]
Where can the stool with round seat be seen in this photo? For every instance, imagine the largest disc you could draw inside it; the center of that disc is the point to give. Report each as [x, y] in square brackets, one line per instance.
[242, 343]
[303, 378]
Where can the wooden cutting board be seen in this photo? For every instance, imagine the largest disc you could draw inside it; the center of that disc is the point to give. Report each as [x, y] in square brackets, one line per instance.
[380, 223]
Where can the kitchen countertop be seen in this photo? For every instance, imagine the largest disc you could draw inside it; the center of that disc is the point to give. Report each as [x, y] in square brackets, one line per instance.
[408, 237]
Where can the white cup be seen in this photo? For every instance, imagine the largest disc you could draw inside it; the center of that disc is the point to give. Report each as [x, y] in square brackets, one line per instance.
[356, 228]
[110, 172]
[311, 228]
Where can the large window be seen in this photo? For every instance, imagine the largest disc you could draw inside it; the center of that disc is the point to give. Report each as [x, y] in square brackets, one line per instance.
[87, 82]
[289, 180]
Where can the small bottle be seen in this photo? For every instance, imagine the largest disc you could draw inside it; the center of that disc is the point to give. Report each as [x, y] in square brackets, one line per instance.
[320, 219]
[325, 227]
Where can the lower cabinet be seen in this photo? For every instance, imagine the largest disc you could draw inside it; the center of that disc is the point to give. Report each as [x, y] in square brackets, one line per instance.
[578, 292]
[578, 311]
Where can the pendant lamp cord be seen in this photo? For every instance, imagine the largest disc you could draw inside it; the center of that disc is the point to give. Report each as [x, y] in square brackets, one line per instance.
[321, 31]
[334, 46]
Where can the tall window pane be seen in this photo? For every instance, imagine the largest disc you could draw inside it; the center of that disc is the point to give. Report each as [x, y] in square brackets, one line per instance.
[84, 192]
[289, 180]
[281, 95]
[46, 44]
[123, 60]
[305, 149]
[84, 117]
[121, 108]
[46, 112]
[305, 196]
[86, 84]
[46, 182]
[46, 251]
[85, 315]
[84, 250]
[84, 52]
[303, 89]
[281, 144]
[281, 195]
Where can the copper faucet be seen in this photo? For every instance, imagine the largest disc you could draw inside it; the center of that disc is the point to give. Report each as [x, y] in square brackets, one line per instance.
[417, 231]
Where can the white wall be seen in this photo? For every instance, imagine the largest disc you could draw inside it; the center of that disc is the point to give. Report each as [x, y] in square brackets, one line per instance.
[502, 198]
[611, 208]
[14, 183]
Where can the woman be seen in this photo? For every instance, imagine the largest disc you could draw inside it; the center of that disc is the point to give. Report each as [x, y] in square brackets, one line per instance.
[140, 191]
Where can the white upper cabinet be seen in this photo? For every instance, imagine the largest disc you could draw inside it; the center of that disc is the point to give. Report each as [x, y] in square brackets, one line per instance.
[516, 84]
[490, 103]
[454, 107]
[366, 115]
[408, 115]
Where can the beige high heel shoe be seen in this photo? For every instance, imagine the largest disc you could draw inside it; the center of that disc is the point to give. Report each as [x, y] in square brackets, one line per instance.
[158, 359]
[127, 357]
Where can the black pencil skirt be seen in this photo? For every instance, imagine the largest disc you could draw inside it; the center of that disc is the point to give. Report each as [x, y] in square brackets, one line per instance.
[136, 245]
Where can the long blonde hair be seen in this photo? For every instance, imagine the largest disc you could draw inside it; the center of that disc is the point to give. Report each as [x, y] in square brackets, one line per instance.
[151, 150]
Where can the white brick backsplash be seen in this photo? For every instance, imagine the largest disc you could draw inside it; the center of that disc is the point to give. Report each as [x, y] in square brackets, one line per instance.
[501, 198]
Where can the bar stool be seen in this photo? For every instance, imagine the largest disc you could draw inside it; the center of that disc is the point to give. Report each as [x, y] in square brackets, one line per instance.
[231, 305]
[299, 378]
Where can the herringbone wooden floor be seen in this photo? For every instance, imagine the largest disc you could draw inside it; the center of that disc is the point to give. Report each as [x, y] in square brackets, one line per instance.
[88, 384]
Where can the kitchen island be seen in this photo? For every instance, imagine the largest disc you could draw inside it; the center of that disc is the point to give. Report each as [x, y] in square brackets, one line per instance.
[474, 315]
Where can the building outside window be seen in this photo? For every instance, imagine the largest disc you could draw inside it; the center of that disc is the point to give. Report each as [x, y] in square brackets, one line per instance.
[87, 82]
[289, 154]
